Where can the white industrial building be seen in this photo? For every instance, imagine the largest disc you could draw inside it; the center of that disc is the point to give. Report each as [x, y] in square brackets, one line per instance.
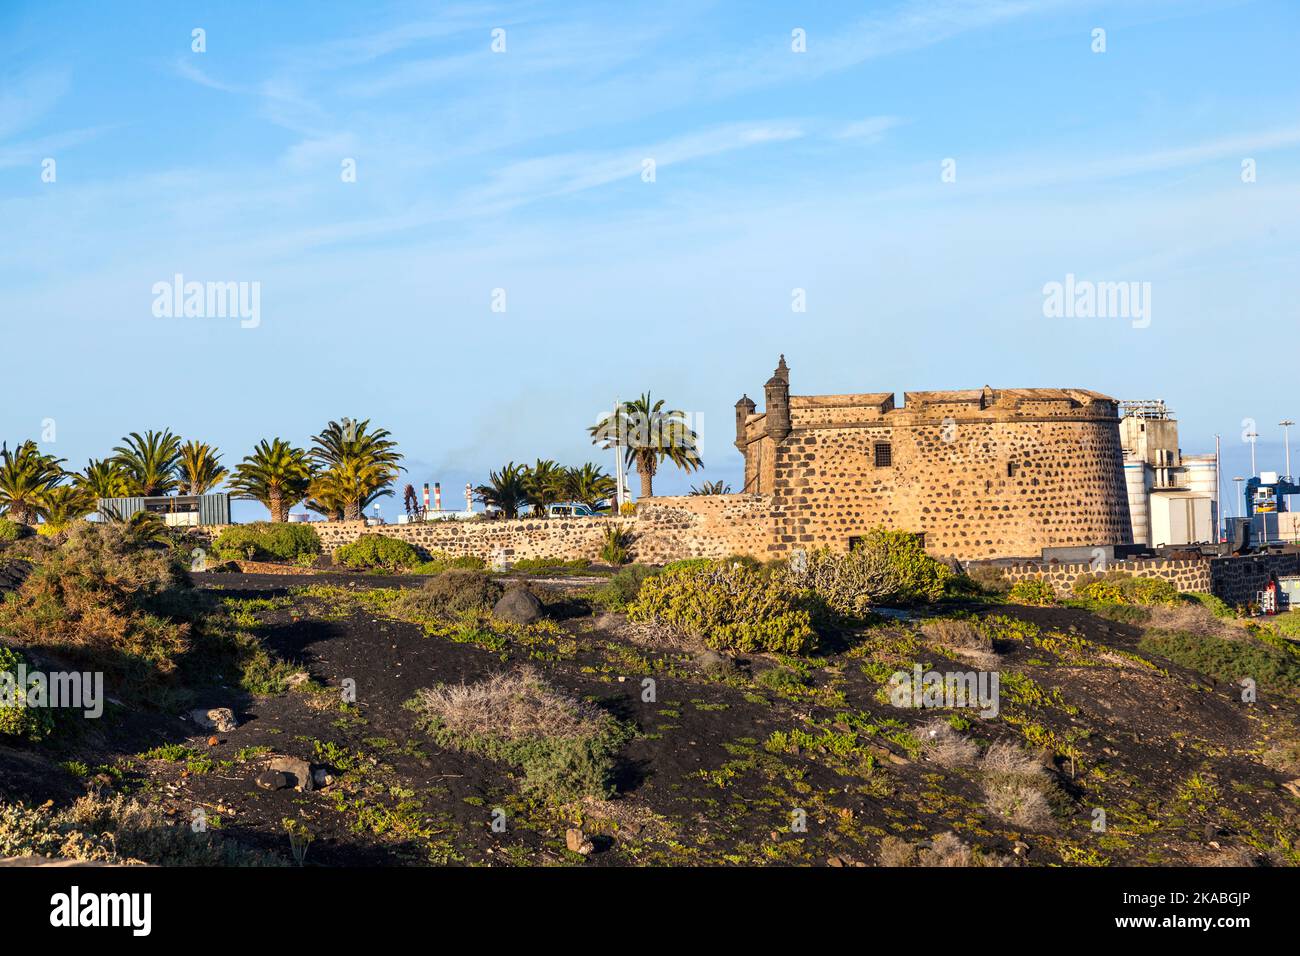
[1172, 497]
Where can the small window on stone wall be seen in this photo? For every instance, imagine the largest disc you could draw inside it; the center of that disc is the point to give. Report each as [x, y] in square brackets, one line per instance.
[884, 455]
[1012, 468]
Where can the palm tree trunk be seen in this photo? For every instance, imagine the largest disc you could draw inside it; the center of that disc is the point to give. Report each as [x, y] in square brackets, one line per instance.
[276, 504]
[645, 467]
[20, 512]
[352, 511]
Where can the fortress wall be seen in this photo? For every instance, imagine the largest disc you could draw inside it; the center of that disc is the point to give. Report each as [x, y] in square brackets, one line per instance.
[950, 479]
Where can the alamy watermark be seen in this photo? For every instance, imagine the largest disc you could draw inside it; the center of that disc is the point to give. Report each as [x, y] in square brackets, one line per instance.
[72, 690]
[178, 299]
[979, 690]
[1085, 299]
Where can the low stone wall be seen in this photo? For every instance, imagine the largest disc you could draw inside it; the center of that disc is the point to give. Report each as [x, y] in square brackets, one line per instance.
[1186, 574]
[663, 530]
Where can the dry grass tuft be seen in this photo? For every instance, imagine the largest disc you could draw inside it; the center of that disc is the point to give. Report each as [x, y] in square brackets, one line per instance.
[1016, 786]
[512, 706]
[943, 745]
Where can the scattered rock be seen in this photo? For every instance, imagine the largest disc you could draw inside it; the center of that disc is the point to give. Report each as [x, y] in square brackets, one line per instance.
[1292, 787]
[220, 719]
[518, 606]
[322, 778]
[298, 771]
[272, 780]
[711, 662]
[577, 841]
[214, 741]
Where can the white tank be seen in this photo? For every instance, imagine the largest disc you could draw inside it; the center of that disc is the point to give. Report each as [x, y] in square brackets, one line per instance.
[1202, 474]
[1135, 481]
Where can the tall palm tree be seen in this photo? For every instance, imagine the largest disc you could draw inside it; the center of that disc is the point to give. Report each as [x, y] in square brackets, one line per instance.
[150, 462]
[359, 463]
[351, 486]
[61, 505]
[505, 489]
[200, 468]
[25, 475]
[711, 488]
[590, 486]
[544, 485]
[651, 435]
[102, 478]
[277, 474]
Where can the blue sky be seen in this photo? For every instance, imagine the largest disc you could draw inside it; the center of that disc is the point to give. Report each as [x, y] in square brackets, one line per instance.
[523, 171]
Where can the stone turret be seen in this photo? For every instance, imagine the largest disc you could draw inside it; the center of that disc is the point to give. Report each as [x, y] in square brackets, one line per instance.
[744, 408]
[777, 399]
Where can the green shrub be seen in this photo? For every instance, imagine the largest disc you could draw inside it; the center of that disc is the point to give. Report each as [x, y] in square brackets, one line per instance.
[263, 540]
[551, 564]
[847, 583]
[9, 530]
[566, 748]
[917, 576]
[101, 598]
[1228, 659]
[989, 578]
[1116, 587]
[439, 562]
[377, 551]
[729, 608]
[623, 587]
[17, 720]
[458, 590]
[1035, 591]
[617, 547]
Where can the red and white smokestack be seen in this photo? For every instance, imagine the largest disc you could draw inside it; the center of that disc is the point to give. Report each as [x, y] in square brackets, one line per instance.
[437, 496]
[426, 496]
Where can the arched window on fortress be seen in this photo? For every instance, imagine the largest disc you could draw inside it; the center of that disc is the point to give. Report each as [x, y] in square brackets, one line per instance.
[884, 455]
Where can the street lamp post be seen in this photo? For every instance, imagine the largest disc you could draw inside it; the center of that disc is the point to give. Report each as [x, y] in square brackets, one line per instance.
[1250, 437]
[1286, 424]
[1241, 501]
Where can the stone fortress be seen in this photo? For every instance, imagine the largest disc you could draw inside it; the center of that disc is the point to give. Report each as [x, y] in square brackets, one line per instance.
[986, 475]
[981, 473]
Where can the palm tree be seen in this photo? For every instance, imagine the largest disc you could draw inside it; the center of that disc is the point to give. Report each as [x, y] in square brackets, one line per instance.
[354, 468]
[61, 505]
[351, 487]
[200, 468]
[25, 475]
[149, 462]
[102, 478]
[276, 474]
[590, 486]
[544, 485]
[650, 434]
[505, 489]
[711, 488]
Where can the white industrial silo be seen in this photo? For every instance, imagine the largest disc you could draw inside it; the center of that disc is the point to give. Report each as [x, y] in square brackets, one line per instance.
[1135, 481]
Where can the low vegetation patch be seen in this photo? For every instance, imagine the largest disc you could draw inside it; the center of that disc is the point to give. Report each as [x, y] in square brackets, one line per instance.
[1033, 591]
[1116, 587]
[265, 540]
[100, 598]
[1228, 659]
[455, 592]
[728, 607]
[377, 552]
[567, 749]
[116, 830]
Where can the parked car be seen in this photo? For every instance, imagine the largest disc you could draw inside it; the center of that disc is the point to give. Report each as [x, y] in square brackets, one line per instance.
[570, 509]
